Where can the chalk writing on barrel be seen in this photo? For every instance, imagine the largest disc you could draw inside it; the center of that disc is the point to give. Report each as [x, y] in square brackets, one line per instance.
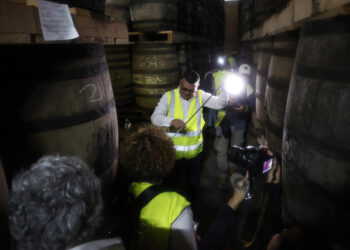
[96, 94]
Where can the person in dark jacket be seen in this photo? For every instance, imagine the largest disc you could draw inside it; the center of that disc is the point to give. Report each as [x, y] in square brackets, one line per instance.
[231, 122]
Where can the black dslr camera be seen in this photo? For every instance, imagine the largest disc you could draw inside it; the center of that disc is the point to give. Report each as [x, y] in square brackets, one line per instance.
[255, 160]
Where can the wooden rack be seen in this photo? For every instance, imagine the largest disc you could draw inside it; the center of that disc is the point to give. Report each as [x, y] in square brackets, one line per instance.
[20, 24]
[297, 12]
[134, 113]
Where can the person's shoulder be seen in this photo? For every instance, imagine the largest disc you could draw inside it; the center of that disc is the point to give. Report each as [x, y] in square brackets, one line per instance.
[173, 197]
[171, 90]
[105, 244]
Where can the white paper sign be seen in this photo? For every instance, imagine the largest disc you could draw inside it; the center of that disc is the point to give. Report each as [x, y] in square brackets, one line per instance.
[56, 21]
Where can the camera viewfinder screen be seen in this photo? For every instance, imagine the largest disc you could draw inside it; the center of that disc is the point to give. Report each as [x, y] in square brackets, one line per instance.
[267, 165]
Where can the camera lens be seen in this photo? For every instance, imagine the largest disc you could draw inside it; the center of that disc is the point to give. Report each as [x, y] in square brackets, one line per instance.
[249, 158]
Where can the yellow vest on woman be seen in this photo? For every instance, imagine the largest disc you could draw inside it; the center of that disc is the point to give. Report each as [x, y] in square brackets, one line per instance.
[157, 217]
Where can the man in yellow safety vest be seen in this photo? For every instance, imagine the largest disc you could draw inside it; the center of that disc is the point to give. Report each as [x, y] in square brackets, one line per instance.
[176, 110]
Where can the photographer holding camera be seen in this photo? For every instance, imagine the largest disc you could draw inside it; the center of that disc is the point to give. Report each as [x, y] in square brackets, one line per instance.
[231, 121]
[270, 233]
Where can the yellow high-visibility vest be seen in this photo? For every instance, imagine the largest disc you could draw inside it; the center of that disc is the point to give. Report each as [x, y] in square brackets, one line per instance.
[157, 216]
[188, 143]
[231, 61]
[219, 78]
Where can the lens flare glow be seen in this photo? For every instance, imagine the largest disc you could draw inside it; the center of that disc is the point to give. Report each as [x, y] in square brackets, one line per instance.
[221, 61]
[234, 85]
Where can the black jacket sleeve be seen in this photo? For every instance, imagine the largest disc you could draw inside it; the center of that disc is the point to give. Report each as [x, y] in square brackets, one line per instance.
[215, 237]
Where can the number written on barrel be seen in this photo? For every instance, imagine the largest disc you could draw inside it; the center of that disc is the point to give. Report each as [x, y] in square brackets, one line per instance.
[95, 92]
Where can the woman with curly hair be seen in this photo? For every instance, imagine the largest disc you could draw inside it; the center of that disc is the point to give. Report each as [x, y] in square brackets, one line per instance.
[165, 219]
[146, 157]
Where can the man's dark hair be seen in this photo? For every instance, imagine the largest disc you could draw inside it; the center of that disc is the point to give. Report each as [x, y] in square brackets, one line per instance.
[191, 76]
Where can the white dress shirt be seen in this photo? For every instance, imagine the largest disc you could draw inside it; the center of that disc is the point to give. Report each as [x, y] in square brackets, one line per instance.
[160, 119]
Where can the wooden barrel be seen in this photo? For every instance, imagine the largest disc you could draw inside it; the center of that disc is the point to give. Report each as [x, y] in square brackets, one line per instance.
[182, 58]
[154, 71]
[181, 15]
[189, 55]
[119, 62]
[252, 135]
[118, 9]
[61, 102]
[260, 12]
[316, 137]
[4, 229]
[153, 15]
[201, 58]
[199, 21]
[264, 55]
[255, 63]
[280, 71]
[189, 15]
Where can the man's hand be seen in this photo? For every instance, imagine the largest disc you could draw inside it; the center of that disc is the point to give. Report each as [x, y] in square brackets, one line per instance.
[178, 124]
[240, 107]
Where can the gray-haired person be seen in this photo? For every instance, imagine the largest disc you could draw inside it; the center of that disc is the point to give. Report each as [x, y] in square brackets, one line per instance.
[57, 204]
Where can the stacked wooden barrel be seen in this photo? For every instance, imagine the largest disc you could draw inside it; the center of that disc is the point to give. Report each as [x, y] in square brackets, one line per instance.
[154, 71]
[316, 138]
[201, 57]
[118, 9]
[154, 15]
[119, 62]
[182, 58]
[65, 104]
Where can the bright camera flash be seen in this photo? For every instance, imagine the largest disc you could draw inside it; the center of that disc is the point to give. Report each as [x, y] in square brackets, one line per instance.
[234, 85]
[221, 61]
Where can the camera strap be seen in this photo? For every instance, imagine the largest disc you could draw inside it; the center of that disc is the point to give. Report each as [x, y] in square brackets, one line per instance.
[148, 194]
[247, 244]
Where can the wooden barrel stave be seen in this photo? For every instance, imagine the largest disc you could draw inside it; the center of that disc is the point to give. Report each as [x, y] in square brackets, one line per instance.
[119, 62]
[280, 71]
[263, 61]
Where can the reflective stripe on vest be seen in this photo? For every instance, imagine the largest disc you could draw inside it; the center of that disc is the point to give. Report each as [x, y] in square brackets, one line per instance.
[206, 74]
[157, 216]
[189, 143]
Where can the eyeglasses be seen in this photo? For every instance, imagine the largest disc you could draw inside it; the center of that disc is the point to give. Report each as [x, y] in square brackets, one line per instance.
[188, 90]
